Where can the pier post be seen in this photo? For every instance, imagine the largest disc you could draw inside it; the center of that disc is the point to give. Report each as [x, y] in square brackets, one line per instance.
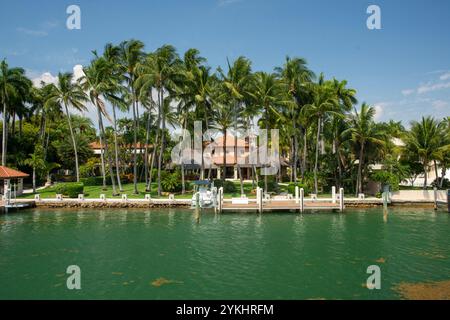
[302, 198]
[341, 199]
[296, 194]
[333, 193]
[220, 199]
[259, 199]
[435, 198]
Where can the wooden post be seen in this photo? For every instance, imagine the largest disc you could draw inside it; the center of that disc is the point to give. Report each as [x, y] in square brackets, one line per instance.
[296, 194]
[341, 199]
[302, 198]
[220, 200]
[260, 202]
[435, 198]
[333, 193]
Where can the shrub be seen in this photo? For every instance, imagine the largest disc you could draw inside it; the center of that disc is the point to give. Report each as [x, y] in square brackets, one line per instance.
[272, 184]
[386, 178]
[171, 182]
[291, 187]
[70, 189]
[228, 186]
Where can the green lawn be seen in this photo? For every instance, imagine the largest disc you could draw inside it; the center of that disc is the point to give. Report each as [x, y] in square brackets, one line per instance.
[94, 192]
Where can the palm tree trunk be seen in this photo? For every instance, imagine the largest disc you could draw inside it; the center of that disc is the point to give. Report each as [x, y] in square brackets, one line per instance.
[116, 150]
[102, 153]
[443, 172]
[110, 165]
[73, 142]
[267, 130]
[224, 147]
[135, 147]
[359, 179]
[305, 151]
[34, 179]
[4, 135]
[425, 181]
[436, 172]
[163, 127]
[148, 188]
[295, 152]
[316, 164]
[147, 137]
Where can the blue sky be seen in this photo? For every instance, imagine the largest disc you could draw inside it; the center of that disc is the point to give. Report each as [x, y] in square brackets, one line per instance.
[402, 69]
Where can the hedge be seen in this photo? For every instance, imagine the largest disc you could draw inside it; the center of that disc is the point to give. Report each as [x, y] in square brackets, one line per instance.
[69, 189]
[228, 186]
[292, 185]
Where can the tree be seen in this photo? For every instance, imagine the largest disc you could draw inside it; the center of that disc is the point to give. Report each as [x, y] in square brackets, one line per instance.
[36, 161]
[99, 85]
[267, 94]
[131, 53]
[237, 83]
[13, 85]
[68, 93]
[161, 71]
[424, 139]
[323, 104]
[295, 74]
[363, 130]
[223, 119]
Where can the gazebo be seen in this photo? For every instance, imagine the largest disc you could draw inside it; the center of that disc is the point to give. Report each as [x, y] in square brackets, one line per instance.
[8, 174]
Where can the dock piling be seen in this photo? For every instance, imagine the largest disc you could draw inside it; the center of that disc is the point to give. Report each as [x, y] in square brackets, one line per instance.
[341, 199]
[302, 198]
[296, 194]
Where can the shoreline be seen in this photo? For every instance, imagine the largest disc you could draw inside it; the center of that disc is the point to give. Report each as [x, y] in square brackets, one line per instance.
[186, 203]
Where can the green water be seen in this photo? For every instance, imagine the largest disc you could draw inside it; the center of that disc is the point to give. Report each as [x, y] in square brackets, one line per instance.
[232, 256]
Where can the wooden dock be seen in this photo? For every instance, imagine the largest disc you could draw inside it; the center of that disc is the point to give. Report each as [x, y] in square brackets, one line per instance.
[288, 203]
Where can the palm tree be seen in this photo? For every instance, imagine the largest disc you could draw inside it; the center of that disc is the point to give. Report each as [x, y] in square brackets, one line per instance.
[223, 119]
[267, 93]
[237, 83]
[112, 55]
[13, 84]
[68, 93]
[131, 54]
[323, 104]
[363, 130]
[295, 74]
[98, 83]
[424, 139]
[36, 161]
[161, 71]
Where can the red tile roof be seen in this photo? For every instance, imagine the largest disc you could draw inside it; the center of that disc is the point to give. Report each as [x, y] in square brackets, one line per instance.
[8, 173]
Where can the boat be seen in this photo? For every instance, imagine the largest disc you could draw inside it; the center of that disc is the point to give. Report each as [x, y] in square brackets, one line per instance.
[205, 194]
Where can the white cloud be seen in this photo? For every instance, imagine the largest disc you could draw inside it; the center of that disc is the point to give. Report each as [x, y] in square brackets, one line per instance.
[439, 104]
[46, 78]
[379, 109]
[223, 3]
[407, 92]
[34, 33]
[445, 76]
[433, 87]
[78, 72]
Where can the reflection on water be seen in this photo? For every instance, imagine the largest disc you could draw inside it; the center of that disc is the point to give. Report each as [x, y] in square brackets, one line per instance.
[199, 255]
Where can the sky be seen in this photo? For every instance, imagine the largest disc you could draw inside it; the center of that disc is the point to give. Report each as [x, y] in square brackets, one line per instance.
[402, 69]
